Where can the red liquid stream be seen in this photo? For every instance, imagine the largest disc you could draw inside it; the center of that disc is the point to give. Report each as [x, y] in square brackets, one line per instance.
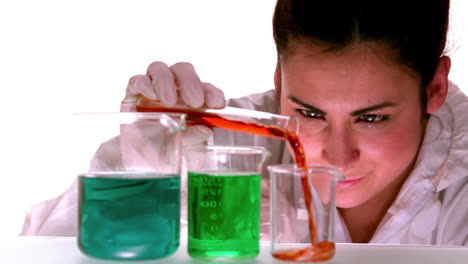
[317, 251]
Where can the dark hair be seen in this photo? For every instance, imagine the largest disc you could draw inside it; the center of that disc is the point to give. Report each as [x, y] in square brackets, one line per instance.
[415, 30]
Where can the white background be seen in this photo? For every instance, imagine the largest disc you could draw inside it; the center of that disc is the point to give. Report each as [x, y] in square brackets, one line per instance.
[61, 57]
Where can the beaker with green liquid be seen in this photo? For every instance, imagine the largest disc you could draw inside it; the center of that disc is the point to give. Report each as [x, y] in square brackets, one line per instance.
[129, 196]
[224, 195]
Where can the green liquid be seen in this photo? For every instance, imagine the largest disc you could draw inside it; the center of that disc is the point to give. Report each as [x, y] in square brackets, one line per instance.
[224, 215]
[121, 218]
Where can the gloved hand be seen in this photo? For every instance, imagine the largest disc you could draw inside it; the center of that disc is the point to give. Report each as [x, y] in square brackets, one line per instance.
[170, 85]
[177, 84]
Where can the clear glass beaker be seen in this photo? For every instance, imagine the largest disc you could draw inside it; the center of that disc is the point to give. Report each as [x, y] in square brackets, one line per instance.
[129, 195]
[224, 193]
[299, 233]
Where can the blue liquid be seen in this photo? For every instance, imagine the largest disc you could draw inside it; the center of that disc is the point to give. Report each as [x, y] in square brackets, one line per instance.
[135, 219]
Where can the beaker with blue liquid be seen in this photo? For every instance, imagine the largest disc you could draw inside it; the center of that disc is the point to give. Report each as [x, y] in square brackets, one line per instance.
[129, 201]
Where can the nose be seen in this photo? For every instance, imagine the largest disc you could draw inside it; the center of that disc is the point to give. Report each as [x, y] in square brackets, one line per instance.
[340, 148]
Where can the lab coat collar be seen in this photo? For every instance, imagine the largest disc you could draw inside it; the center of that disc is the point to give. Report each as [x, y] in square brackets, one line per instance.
[455, 117]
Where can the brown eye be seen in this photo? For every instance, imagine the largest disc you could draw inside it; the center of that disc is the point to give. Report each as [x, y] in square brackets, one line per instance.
[309, 114]
[372, 118]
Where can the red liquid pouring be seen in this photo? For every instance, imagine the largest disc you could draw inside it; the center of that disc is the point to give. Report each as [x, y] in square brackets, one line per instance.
[317, 251]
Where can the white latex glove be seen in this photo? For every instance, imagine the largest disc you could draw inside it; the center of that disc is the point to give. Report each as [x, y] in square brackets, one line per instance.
[179, 84]
[170, 85]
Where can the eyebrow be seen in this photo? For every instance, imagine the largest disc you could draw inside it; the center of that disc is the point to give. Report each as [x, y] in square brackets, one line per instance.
[354, 113]
[306, 105]
[373, 108]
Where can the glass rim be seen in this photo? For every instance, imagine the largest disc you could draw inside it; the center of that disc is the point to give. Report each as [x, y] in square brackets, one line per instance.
[142, 114]
[130, 117]
[230, 149]
[144, 174]
[293, 168]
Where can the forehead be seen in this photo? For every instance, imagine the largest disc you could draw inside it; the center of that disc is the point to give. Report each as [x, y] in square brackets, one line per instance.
[359, 72]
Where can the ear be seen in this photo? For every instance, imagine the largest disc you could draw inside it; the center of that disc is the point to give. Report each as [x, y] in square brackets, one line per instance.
[438, 88]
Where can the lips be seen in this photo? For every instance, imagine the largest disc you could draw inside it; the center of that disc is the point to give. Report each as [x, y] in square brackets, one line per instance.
[344, 184]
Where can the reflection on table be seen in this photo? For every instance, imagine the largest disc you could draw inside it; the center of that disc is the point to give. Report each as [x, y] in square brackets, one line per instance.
[58, 250]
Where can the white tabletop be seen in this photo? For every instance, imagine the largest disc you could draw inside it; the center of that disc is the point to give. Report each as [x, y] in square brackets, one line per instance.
[55, 250]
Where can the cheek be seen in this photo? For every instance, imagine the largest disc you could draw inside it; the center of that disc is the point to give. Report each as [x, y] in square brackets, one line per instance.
[393, 149]
[398, 146]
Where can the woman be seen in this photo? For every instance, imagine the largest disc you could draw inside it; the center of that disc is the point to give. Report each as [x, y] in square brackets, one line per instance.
[369, 83]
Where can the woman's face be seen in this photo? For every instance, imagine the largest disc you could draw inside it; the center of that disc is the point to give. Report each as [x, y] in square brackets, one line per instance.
[359, 111]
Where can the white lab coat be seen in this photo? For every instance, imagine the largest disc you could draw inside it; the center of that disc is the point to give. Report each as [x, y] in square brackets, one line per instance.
[430, 209]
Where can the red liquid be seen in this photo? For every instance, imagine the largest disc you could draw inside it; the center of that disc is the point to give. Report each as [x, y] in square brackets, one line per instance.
[317, 251]
[321, 251]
